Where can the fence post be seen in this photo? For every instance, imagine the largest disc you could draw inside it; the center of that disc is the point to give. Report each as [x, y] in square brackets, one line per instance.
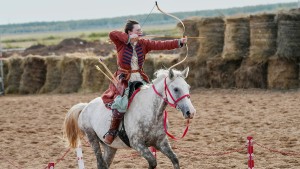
[250, 152]
[153, 150]
[51, 165]
[80, 157]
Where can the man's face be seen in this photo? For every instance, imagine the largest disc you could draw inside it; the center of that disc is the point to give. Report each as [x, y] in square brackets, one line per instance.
[136, 30]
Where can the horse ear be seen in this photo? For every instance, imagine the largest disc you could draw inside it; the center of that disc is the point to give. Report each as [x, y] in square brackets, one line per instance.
[171, 74]
[185, 72]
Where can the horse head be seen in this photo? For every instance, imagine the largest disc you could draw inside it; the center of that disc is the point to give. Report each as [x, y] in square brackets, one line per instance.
[177, 92]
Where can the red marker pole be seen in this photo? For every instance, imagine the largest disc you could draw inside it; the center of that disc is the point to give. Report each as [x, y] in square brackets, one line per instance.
[80, 157]
[250, 152]
[51, 165]
[153, 150]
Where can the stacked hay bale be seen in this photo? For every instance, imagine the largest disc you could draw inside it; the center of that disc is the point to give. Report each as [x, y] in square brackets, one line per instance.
[71, 77]
[263, 35]
[92, 79]
[15, 71]
[236, 45]
[251, 75]
[198, 74]
[289, 36]
[34, 75]
[191, 30]
[283, 70]
[211, 31]
[149, 67]
[237, 38]
[163, 61]
[5, 70]
[221, 72]
[282, 73]
[53, 75]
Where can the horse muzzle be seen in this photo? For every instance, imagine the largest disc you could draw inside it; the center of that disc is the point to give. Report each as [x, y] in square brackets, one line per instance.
[188, 113]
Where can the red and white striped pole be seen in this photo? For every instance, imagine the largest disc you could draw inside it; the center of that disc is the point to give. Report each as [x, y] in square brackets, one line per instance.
[153, 150]
[250, 152]
[51, 165]
[79, 157]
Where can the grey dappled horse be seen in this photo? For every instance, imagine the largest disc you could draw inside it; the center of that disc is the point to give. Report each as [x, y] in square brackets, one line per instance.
[143, 119]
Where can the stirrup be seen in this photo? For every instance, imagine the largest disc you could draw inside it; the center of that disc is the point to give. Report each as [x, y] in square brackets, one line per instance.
[112, 133]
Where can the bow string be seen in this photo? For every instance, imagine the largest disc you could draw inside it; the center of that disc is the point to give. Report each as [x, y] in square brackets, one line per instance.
[183, 28]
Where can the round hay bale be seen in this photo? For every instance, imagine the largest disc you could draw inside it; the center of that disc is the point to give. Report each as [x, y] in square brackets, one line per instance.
[15, 71]
[34, 75]
[191, 30]
[237, 38]
[71, 77]
[263, 36]
[221, 72]
[92, 79]
[251, 75]
[212, 32]
[282, 73]
[53, 75]
[288, 36]
[198, 74]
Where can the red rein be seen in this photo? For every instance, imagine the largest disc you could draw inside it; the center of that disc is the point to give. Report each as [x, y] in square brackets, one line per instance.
[172, 105]
[165, 112]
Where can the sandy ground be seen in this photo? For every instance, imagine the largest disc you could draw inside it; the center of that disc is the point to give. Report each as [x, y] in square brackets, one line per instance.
[31, 131]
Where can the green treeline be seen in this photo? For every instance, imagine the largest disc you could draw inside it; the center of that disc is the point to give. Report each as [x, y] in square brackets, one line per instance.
[117, 22]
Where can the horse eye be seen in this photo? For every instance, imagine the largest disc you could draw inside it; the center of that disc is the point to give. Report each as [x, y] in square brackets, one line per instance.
[176, 89]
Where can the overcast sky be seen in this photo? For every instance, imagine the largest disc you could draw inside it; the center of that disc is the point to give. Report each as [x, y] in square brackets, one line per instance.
[22, 11]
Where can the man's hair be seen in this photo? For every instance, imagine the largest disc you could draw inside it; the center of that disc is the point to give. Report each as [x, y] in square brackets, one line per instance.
[129, 25]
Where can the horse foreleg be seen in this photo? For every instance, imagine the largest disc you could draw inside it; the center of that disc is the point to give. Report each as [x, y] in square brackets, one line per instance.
[109, 153]
[147, 154]
[166, 149]
[94, 141]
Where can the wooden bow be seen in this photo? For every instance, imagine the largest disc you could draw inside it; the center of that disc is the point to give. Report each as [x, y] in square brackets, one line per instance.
[183, 32]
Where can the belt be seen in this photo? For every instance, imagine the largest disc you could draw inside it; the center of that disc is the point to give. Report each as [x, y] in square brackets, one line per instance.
[128, 72]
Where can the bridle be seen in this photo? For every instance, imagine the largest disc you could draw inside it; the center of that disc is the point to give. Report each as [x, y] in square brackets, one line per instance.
[167, 91]
[174, 104]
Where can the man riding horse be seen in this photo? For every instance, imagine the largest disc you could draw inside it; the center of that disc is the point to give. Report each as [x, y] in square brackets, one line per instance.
[132, 50]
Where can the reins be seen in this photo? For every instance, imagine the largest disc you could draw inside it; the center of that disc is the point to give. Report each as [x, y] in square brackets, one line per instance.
[174, 104]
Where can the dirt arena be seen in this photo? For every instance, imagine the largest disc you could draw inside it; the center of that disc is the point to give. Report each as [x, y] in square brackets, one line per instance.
[31, 131]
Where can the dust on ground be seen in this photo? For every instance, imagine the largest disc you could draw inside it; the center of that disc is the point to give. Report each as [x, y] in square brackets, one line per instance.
[31, 131]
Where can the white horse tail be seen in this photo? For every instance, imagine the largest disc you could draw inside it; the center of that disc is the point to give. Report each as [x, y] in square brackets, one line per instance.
[72, 131]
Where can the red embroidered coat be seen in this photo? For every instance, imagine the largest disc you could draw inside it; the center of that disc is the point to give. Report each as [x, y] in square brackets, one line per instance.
[125, 52]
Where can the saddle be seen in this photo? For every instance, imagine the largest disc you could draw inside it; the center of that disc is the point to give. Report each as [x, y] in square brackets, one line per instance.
[134, 86]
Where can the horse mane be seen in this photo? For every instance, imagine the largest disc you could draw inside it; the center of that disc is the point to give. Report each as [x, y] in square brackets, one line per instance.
[163, 73]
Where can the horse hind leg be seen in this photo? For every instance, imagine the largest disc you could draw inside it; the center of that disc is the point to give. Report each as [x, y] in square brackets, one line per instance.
[109, 153]
[94, 142]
